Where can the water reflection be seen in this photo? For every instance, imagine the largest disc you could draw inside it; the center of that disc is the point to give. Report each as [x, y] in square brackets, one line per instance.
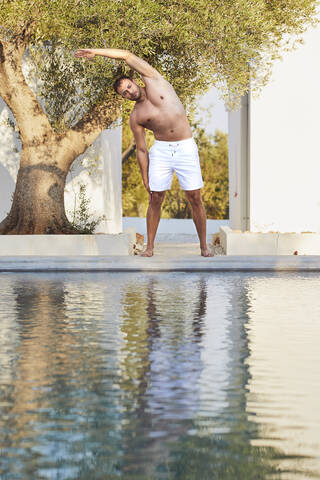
[160, 369]
[284, 388]
[106, 376]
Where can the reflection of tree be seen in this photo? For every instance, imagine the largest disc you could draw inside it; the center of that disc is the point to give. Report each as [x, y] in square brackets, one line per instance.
[140, 328]
[220, 458]
[60, 404]
[33, 305]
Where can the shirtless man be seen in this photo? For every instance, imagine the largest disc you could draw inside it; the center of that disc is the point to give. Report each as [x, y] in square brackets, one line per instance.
[158, 108]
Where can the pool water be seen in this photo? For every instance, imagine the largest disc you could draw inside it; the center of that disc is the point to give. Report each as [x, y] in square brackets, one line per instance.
[159, 376]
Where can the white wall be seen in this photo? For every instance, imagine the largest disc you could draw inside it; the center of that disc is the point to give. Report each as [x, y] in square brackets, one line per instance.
[175, 226]
[10, 147]
[238, 166]
[176, 230]
[99, 169]
[284, 144]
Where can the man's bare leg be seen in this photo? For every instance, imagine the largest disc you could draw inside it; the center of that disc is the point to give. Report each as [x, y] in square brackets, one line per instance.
[153, 219]
[200, 220]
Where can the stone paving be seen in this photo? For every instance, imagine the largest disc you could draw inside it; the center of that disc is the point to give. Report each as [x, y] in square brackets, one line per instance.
[177, 250]
[166, 259]
[168, 256]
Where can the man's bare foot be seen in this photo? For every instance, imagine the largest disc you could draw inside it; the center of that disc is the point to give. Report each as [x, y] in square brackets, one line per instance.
[148, 252]
[206, 252]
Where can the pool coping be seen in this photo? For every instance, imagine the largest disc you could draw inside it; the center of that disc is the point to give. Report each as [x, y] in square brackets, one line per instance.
[95, 263]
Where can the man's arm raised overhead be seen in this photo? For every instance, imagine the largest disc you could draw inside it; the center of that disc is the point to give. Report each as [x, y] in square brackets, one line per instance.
[137, 63]
[142, 67]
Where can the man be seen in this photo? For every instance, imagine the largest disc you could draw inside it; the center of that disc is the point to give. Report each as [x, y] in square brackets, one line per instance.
[158, 108]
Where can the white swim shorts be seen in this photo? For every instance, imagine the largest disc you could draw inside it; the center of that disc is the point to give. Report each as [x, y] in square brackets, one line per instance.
[167, 157]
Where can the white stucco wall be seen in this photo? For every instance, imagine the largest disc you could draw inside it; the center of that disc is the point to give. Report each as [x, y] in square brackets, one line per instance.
[99, 169]
[238, 166]
[274, 160]
[10, 147]
[284, 144]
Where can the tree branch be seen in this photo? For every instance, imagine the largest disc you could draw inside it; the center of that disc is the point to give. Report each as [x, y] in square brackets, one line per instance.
[24, 28]
[1, 52]
[129, 151]
[83, 134]
[30, 117]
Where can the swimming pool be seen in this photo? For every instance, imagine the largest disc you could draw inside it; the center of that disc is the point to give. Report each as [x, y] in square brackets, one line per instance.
[159, 376]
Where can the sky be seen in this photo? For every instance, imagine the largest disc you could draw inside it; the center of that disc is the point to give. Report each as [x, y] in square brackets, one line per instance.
[210, 105]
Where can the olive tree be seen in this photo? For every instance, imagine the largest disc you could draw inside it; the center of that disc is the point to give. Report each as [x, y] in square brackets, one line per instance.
[194, 44]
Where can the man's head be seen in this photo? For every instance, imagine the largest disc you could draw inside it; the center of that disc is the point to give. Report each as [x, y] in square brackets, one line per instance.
[127, 88]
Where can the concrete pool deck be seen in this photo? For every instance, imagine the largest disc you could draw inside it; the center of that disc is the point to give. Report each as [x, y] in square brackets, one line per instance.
[169, 257]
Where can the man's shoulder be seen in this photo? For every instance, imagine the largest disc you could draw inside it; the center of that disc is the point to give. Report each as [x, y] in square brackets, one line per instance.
[156, 88]
[133, 114]
[133, 119]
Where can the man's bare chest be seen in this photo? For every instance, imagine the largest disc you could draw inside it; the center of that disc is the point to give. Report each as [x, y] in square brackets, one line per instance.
[151, 116]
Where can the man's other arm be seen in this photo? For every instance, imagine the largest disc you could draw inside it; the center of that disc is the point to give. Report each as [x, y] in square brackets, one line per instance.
[141, 150]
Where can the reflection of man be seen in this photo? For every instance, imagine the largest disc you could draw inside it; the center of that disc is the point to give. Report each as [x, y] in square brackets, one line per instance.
[161, 367]
[158, 108]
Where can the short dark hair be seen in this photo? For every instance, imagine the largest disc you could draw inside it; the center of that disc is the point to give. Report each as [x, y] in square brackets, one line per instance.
[116, 84]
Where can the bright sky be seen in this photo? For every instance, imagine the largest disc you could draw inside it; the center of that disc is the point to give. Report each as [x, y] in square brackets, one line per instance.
[210, 105]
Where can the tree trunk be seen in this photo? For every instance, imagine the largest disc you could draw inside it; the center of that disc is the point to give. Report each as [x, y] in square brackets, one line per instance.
[38, 202]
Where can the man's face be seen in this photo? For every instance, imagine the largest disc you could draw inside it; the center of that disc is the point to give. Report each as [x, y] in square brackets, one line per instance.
[129, 89]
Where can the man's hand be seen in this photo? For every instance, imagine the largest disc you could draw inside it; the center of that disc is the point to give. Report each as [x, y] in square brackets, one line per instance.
[86, 53]
[149, 192]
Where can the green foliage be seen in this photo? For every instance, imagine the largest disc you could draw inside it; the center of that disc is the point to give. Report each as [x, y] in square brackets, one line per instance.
[81, 215]
[214, 164]
[69, 87]
[213, 153]
[194, 44]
